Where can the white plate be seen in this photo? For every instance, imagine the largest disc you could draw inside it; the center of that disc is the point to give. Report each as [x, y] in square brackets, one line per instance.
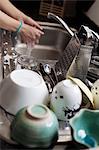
[5, 121]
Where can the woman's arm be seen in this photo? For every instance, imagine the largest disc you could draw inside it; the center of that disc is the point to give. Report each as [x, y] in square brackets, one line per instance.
[7, 7]
[8, 23]
[29, 33]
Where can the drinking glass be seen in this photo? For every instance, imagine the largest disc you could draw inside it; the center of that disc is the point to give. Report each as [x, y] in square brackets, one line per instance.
[24, 58]
[80, 64]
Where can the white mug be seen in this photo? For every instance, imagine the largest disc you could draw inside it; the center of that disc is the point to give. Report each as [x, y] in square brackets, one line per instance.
[22, 88]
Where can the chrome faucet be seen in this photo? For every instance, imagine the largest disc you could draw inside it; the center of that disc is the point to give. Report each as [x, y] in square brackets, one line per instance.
[59, 20]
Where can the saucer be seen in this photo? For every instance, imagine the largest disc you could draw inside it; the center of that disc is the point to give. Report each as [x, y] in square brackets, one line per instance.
[5, 121]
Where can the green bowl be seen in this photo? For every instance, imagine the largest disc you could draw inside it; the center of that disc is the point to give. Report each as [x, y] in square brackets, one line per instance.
[35, 126]
[85, 125]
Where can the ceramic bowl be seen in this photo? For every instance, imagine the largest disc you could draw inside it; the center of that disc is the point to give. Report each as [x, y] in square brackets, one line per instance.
[85, 125]
[22, 88]
[66, 99]
[86, 92]
[95, 93]
[35, 126]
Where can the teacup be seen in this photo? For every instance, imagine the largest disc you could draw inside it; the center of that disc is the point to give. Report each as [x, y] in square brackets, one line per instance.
[66, 99]
[85, 125]
[35, 126]
[22, 88]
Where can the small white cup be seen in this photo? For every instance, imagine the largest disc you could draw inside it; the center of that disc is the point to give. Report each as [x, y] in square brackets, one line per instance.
[22, 88]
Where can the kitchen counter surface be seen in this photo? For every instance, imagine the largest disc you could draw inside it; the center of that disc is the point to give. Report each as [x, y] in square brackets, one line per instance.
[59, 146]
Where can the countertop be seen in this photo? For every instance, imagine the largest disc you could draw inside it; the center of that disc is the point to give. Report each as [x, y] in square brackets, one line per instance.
[72, 145]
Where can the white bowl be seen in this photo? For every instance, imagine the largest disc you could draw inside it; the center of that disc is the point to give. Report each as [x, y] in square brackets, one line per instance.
[22, 88]
[66, 99]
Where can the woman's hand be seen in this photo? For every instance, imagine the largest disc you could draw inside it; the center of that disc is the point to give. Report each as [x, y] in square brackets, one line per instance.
[7, 7]
[30, 34]
[31, 31]
[31, 22]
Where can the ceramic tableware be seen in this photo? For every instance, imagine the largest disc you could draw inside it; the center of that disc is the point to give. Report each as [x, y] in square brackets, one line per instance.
[95, 93]
[66, 99]
[85, 125]
[83, 88]
[22, 88]
[35, 126]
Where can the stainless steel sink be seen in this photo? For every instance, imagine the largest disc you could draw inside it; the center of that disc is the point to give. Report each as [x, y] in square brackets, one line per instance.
[50, 47]
[52, 43]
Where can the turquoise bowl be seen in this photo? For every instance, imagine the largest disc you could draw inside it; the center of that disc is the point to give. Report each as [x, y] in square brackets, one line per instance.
[85, 125]
[35, 127]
